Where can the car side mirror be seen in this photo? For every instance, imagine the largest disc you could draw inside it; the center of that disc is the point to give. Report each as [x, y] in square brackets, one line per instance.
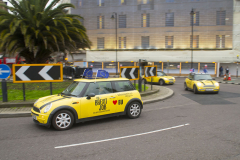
[90, 95]
[190, 78]
[213, 78]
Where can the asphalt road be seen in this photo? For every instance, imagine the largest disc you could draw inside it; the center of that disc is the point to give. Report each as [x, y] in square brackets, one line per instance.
[184, 127]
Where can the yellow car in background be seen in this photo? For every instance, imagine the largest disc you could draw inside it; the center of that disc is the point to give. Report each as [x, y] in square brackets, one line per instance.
[88, 99]
[200, 82]
[161, 79]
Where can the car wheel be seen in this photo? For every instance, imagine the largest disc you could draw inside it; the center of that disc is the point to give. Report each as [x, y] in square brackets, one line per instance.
[185, 87]
[63, 120]
[134, 110]
[161, 82]
[195, 91]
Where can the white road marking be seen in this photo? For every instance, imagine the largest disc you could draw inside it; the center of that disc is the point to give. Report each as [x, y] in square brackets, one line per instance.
[21, 75]
[112, 139]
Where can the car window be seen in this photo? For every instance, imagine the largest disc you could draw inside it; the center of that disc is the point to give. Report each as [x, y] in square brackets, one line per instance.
[161, 74]
[99, 88]
[190, 76]
[121, 86]
[202, 77]
[74, 89]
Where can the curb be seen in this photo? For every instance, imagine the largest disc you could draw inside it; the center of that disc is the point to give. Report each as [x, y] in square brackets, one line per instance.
[28, 114]
[170, 94]
[229, 83]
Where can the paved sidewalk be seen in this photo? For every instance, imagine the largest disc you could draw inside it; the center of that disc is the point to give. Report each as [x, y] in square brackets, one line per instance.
[15, 110]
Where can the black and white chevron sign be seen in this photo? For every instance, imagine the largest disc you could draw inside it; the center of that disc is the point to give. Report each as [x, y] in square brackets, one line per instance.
[37, 73]
[150, 71]
[130, 73]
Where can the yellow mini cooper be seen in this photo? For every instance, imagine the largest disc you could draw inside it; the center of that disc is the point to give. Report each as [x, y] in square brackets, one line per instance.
[88, 99]
[161, 79]
[199, 82]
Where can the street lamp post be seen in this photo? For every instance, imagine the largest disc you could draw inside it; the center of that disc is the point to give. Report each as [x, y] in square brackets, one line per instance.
[114, 16]
[192, 13]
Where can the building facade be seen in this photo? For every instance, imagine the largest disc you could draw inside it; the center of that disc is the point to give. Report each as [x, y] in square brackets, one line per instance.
[160, 31]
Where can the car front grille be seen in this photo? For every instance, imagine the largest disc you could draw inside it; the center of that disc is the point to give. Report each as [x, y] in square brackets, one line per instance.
[36, 109]
[170, 79]
[209, 86]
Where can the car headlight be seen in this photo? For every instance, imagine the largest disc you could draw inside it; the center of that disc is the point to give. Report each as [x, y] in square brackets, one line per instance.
[165, 78]
[173, 77]
[47, 108]
[35, 102]
[199, 84]
[216, 84]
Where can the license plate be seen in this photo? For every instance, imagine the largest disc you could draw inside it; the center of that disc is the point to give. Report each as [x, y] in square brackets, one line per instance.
[34, 117]
[209, 89]
[171, 82]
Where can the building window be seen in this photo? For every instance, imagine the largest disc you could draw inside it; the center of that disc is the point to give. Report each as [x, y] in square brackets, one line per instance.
[100, 43]
[169, 19]
[169, 41]
[145, 42]
[123, 2]
[100, 22]
[220, 41]
[169, 1]
[195, 19]
[221, 15]
[100, 2]
[145, 1]
[194, 41]
[145, 20]
[122, 42]
[122, 21]
[80, 3]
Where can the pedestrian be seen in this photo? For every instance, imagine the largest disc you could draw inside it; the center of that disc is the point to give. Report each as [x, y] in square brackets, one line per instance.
[227, 70]
[221, 71]
[205, 70]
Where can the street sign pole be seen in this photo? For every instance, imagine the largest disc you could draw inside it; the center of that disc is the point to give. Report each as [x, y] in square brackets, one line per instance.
[4, 90]
[140, 77]
[5, 72]
[24, 95]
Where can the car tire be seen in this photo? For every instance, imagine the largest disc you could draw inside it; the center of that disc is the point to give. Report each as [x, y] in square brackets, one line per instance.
[195, 91]
[134, 110]
[185, 87]
[63, 120]
[161, 82]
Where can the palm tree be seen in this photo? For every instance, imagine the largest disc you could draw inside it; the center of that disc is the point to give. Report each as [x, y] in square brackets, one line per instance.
[34, 29]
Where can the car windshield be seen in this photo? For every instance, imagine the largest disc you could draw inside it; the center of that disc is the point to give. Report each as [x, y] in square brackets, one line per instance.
[74, 89]
[161, 74]
[202, 77]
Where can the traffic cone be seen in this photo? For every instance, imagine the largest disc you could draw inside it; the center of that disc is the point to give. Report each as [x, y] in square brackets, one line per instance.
[229, 77]
[224, 78]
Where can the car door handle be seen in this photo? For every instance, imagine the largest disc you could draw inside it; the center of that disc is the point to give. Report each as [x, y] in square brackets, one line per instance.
[112, 97]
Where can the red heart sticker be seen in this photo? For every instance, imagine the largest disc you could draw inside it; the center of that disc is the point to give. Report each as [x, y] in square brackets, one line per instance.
[115, 102]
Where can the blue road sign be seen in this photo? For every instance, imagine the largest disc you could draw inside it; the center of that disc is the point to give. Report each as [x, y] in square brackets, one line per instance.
[5, 71]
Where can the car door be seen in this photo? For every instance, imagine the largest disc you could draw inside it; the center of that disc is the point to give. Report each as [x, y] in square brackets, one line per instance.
[124, 92]
[189, 81]
[101, 103]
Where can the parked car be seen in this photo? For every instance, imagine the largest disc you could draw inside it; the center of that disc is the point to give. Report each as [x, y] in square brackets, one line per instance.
[161, 78]
[88, 99]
